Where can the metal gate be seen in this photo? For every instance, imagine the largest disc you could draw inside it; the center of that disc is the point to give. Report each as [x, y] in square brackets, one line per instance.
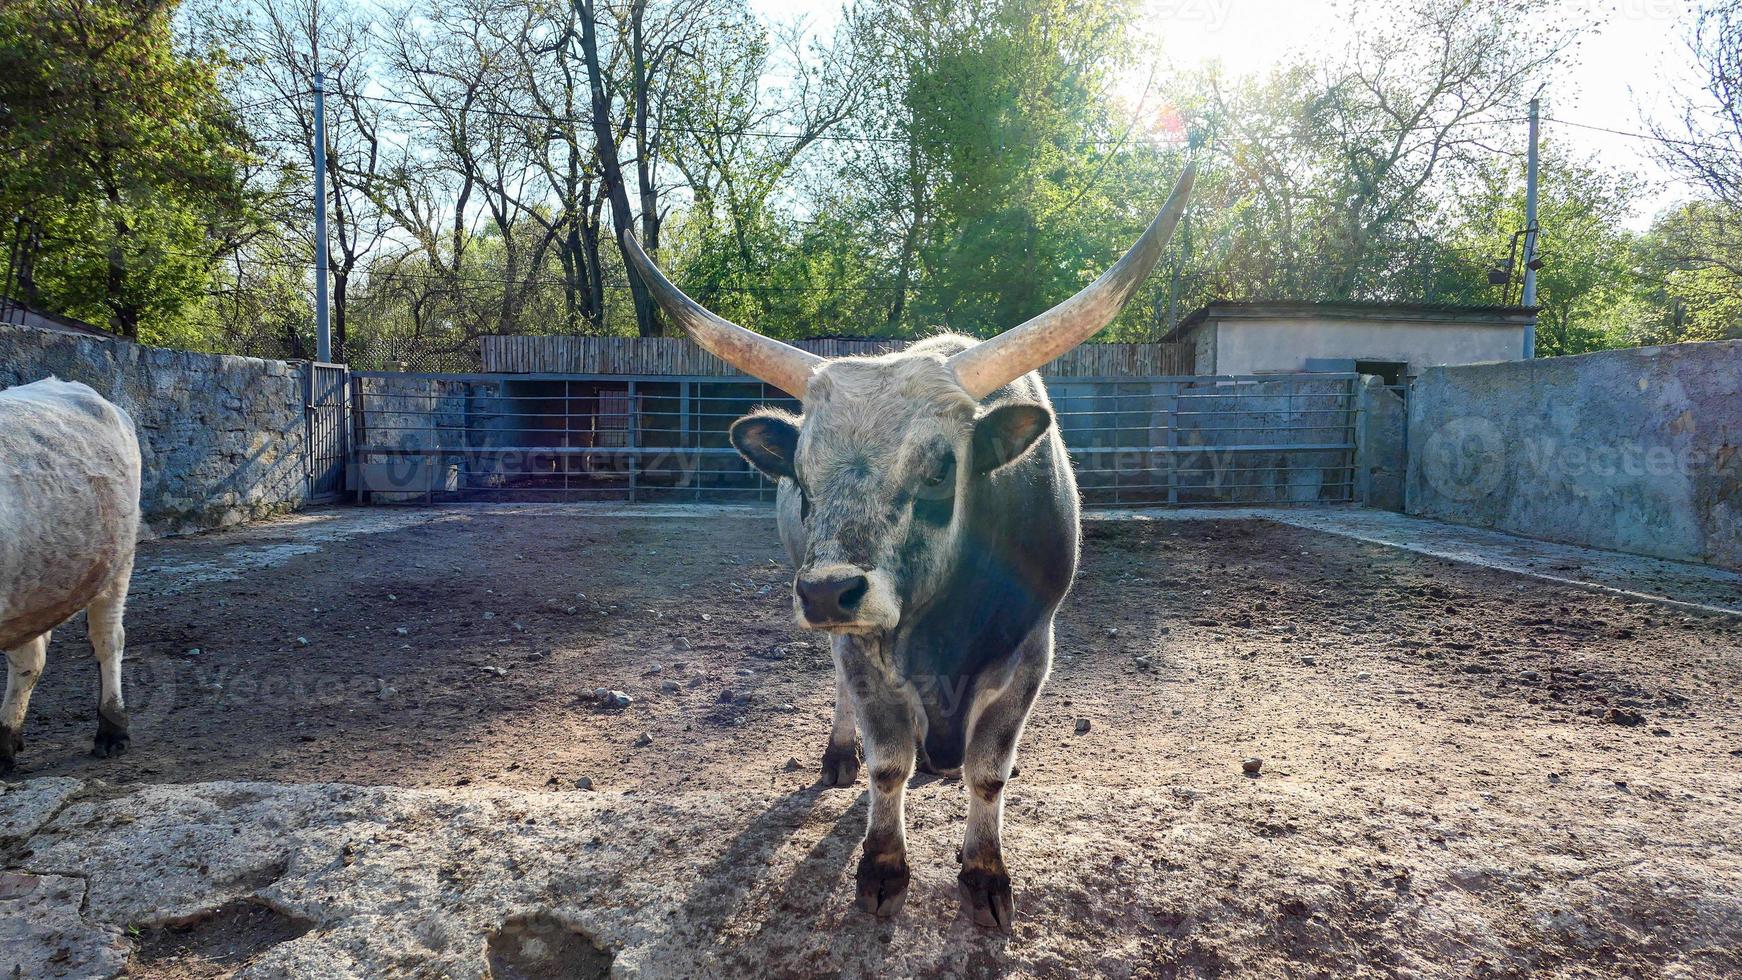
[1134, 441]
[327, 415]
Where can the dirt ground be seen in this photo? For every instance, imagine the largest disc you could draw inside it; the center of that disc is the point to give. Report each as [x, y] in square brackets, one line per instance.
[1416, 719]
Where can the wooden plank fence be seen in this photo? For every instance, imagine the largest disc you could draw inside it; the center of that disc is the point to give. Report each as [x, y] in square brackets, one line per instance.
[677, 356]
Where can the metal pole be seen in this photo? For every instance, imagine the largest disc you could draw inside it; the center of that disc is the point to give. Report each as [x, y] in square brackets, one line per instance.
[1529, 297]
[323, 328]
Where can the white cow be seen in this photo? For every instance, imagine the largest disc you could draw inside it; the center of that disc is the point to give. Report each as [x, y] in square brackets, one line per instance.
[69, 517]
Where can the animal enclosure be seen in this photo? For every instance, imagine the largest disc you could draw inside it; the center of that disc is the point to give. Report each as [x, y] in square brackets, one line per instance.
[544, 437]
[360, 727]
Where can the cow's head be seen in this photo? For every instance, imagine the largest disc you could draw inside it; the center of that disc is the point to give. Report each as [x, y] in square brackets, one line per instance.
[890, 450]
[886, 460]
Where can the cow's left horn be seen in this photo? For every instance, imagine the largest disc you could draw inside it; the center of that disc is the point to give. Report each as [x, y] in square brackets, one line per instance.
[988, 366]
[781, 365]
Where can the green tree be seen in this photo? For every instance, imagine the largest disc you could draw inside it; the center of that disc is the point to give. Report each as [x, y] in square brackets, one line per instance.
[120, 159]
[1697, 247]
[1695, 250]
[1592, 288]
[1339, 178]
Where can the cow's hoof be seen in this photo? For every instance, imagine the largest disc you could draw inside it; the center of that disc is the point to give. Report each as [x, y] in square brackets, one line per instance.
[986, 898]
[108, 745]
[840, 766]
[112, 738]
[11, 743]
[882, 883]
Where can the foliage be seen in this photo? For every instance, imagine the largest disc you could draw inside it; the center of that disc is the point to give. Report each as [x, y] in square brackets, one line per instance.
[1699, 245]
[925, 163]
[120, 159]
[1590, 288]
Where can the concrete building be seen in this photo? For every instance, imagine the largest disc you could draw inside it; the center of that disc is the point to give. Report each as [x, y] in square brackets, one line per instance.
[1392, 340]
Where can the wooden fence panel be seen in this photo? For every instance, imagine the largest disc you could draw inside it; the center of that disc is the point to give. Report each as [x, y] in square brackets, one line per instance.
[677, 356]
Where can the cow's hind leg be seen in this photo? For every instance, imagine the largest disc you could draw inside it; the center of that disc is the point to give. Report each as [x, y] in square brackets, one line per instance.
[23, 668]
[108, 639]
[887, 717]
[994, 729]
[841, 757]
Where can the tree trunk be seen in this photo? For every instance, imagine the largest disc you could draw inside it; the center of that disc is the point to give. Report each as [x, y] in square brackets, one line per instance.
[336, 315]
[909, 241]
[646, 154]
[610, 168]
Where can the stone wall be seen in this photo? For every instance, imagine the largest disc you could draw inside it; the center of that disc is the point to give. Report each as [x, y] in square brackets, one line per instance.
[1633, 450]
[223, 438]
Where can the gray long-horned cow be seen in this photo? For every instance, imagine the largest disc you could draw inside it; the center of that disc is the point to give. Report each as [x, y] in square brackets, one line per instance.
[928, 505]
[69, 517]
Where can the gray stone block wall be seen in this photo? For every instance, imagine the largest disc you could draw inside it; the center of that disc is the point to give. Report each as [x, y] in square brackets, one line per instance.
[1633, 450]
[223, 438]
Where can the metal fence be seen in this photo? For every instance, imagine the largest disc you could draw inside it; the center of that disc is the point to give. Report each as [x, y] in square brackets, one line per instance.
[539, 437]
[327, 415]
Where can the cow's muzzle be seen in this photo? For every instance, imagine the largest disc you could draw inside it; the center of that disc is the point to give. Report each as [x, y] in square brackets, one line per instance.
[831, 600]
[842, 597]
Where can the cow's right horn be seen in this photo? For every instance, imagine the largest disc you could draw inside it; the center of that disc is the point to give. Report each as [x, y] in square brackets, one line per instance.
[992, 364]
[781, 365]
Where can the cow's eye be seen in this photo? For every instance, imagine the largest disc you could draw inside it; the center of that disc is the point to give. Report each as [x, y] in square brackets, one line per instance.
[936, 496]
[941, 472]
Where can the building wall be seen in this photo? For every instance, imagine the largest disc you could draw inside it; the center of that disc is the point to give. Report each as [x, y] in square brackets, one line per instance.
[1634, 450]
[223, 438]
[1202, 342]
[1259, 346]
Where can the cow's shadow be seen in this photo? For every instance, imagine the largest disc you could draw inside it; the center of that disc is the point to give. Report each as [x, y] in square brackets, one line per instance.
[804, 913]
[725, 886]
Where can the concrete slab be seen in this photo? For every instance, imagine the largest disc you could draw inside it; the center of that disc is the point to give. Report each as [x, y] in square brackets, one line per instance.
[378, 881]
[1682, 585]
[42, 933]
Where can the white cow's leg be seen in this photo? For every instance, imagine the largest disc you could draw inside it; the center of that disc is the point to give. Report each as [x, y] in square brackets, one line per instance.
[841, 757]
[108, 639]
[994, 728]
[23, 668]
[886, 713]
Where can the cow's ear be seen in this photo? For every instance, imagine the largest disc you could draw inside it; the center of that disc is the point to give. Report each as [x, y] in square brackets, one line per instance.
[769, 441]
[1004, 434]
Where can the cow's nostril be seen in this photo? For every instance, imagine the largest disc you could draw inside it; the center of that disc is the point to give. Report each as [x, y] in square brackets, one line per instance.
[854, 592]
[832, 600]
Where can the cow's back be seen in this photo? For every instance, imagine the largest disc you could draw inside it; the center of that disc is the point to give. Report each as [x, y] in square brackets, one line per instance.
[69, 503]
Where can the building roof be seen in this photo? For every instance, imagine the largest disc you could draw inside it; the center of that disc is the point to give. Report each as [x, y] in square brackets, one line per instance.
[14, 312]
[1421, 312]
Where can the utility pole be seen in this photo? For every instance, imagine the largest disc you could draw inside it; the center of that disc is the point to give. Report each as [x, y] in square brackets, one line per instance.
[323, 328]
[1529, 297]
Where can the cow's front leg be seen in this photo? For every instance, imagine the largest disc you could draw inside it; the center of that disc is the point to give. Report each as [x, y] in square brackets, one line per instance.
[841, 757]
[23, 668]
[994, 728]
[885, 710]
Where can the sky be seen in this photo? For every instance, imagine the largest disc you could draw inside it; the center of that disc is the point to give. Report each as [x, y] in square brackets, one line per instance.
[1635, 62]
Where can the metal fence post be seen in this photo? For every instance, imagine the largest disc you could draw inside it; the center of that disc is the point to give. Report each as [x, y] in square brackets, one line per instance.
[634, 427]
